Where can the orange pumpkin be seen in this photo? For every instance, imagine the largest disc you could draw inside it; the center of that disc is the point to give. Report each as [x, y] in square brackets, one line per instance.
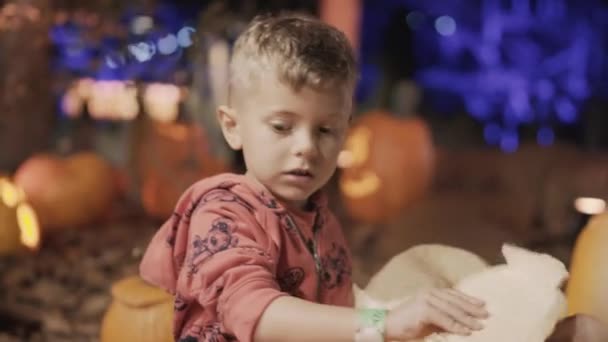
[587, 290]
[387, 164]
[171, 157]
[67, 192]
[138, 313]
[19, 229]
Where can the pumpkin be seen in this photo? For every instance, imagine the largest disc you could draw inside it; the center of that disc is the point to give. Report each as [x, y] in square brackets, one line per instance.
[19, 229]
[387, 164]
[587, 289]
[172, 156]
[67, 192]
[138, 313]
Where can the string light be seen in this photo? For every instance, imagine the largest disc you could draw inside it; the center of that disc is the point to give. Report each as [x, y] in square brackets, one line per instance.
[113, 100]
[111, 89]
[161, 101]
[445, 25]
[184, 36]
[516, 66]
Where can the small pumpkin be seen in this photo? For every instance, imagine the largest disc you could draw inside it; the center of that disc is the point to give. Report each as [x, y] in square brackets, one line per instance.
[387, 164]
[70, 191]
[587, 290]
[171, 157]
[139, 313]
[19, 230]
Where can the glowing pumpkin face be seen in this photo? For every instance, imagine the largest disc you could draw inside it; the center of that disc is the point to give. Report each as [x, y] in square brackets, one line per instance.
[387, 164]
[357, 150]
[19, 228]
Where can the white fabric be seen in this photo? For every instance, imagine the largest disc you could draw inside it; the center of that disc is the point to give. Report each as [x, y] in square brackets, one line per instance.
[422, 267]
[523, 296]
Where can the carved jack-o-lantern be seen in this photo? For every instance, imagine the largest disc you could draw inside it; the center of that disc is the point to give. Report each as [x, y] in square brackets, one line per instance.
[588, 285]
[387, 164]
[138, 313]
[19, 229]
[67, 192]
[172, 156]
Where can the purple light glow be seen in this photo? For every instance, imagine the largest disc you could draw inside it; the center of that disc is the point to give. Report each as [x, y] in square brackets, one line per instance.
[534, 62]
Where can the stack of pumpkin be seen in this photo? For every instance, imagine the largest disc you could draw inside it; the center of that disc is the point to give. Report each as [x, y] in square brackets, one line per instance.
[80, 189]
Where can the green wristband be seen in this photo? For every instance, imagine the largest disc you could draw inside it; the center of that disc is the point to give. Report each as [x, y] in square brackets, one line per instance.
[372, 319]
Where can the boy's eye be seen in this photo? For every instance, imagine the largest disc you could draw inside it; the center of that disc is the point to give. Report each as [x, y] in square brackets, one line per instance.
[326, 130]
[279, 127]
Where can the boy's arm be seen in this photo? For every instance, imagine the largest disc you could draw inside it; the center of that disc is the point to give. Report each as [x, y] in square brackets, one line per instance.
[293, 319]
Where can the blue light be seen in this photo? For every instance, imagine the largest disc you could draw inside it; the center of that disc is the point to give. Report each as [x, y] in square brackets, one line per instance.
[415, 20]
[531, 62]
[445, 25]
[509, 141]
[577, 87]
[152, 52]
[545, 89]
[142, 51]
[492, 133]
[74, 53]
[479, 107]
[518, 103]
[184, 36]
[115, 60]
[566, 111]
[545, 136]
[487, 55]
[167, 44]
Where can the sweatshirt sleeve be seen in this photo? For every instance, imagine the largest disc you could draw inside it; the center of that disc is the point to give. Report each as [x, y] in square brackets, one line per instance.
[230, 266]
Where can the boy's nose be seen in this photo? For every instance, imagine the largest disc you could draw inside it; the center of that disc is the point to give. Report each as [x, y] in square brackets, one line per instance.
[305, 146]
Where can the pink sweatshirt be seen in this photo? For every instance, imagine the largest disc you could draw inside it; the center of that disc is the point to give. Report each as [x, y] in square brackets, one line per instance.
[230, 249]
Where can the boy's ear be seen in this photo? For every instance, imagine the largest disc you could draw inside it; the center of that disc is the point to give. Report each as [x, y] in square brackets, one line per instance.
[230, 128]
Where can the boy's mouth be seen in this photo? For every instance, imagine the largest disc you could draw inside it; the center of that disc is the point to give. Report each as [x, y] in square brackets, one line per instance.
[300, 173]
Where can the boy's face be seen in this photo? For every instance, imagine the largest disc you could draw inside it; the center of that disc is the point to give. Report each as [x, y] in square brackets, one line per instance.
[290, 139]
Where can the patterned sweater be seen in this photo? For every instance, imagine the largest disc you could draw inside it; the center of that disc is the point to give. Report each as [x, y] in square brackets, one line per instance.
[231, 248]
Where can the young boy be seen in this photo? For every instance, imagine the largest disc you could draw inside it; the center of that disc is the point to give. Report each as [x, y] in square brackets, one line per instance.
[259, 256]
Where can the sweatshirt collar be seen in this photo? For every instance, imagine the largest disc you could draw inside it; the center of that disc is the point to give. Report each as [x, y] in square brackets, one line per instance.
[317, 201]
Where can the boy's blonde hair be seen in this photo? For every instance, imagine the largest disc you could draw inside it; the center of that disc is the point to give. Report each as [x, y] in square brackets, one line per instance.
[301, 50]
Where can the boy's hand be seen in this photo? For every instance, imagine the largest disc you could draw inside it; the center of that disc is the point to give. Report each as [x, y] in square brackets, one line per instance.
[446, 310]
